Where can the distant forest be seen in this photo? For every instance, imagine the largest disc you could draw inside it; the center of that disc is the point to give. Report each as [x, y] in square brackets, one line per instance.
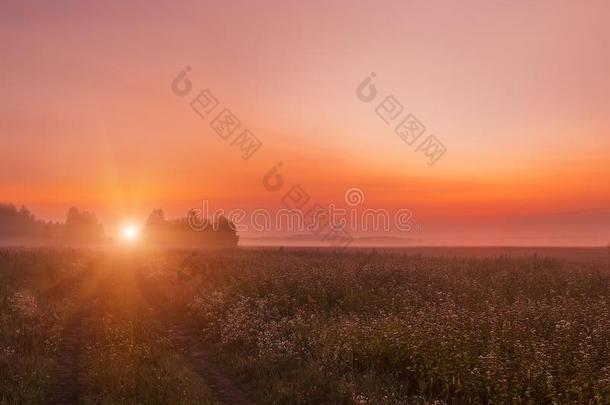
[178, 232]
[83, 227]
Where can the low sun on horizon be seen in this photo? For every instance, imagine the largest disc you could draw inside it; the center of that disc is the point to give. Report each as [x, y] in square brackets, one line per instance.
[130, 232]
[305, 202]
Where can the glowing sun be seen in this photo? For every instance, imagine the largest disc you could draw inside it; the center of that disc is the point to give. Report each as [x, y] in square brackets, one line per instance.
[130, 232]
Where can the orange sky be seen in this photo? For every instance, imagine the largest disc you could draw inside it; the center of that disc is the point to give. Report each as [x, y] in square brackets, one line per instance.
[518, 94]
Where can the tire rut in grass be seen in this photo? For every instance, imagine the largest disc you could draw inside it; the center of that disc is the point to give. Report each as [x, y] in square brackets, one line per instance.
[187, 342]
[68, 381]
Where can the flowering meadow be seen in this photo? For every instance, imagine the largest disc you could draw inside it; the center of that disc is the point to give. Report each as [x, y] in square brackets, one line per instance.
[75, 330]
[35, 297]
[302, 327]
[315, 327]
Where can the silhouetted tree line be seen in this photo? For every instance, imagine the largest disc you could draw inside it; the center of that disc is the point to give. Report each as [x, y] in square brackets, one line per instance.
[81, 226]
[84, 227]
[20, 222]
[180, 232]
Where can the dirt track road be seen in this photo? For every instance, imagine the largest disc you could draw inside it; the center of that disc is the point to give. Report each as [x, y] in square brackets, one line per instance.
[98, 297]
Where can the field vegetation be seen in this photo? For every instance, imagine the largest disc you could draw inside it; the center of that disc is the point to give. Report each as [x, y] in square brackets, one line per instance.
[300, 327]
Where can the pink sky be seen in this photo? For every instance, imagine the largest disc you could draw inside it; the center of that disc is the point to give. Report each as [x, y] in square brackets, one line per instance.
[517, 92]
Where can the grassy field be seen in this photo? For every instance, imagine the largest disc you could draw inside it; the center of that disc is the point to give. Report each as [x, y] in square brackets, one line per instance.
[75, 330]
[300, 327]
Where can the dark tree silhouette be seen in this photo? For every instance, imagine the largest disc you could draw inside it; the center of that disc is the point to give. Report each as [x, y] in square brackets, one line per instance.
[82, 226]
[18, 223]
[179, 231]
[156, 218]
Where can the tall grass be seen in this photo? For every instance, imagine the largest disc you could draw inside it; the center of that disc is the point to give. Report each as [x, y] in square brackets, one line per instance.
[309, 327]
[321, 328]
[36, 291]
[123, 356]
